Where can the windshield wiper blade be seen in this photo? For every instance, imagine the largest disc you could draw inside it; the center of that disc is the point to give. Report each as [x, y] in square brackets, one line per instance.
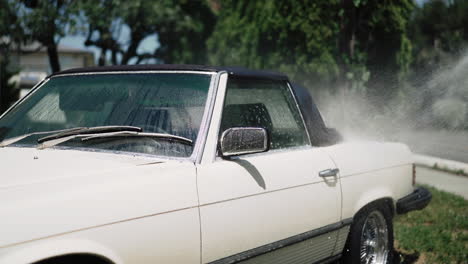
[13, 140]
[169, 137]
[90, 130]
[87, 137]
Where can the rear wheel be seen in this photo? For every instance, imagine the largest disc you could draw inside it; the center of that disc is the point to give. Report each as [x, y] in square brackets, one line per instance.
[370, 240]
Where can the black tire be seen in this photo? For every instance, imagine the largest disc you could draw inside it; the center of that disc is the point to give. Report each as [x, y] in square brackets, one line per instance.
[373, 244]
[75, 259]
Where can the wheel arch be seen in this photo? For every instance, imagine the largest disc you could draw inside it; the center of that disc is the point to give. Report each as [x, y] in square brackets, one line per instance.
[44, 252]
[76, 258]
[384, 201]
[387, 205]
[378, 195]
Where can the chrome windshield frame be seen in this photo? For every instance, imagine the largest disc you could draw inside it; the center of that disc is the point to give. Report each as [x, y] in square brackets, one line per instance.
[200, 143]
[33, 90]
[206, 118]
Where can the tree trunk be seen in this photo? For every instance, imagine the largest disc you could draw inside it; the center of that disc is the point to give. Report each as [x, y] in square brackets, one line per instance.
[6, 90]
[114, 57]
[102, 57]
[132, 49]
[53, 57]
[2, 96]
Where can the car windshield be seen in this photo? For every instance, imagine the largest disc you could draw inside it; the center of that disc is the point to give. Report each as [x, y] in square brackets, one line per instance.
[162, 103]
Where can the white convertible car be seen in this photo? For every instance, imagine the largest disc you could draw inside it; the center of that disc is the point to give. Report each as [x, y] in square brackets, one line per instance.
[191, 164]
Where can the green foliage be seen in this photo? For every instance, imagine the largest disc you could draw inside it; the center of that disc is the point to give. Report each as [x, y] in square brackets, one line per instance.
[10, 32]
[317, 42]
[439, 232]
[295, 37]
[439, 32]
[183, 39]
[439, 35]
[373, 37]
[181, 28]
[10, 28]
[367, 47]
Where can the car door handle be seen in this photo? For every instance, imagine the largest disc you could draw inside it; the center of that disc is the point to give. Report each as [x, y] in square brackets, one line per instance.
[329, 172]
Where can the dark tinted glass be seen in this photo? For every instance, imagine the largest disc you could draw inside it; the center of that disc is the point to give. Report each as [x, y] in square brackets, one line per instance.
[171, 103]
[267, 104]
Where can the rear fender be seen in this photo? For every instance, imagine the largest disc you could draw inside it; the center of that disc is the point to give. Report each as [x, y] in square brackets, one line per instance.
[371, 196]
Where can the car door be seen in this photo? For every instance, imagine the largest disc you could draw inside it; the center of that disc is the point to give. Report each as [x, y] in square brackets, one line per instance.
[270, 207]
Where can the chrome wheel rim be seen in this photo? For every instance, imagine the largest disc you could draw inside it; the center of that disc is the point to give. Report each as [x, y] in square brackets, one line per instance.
[374, 239]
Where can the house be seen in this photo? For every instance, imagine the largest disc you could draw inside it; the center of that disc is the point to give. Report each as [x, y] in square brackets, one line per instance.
[33, 63]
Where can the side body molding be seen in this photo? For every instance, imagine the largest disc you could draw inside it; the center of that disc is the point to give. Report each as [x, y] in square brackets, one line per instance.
[287, 250]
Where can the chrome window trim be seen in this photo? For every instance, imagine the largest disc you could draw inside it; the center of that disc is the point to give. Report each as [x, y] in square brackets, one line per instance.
[300, 112]
[132, 72]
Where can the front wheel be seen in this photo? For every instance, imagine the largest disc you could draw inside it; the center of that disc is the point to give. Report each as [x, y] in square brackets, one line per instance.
[370, 240]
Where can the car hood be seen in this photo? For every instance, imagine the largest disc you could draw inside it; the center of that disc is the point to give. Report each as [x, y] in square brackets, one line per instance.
[45, 193]
[23, 166]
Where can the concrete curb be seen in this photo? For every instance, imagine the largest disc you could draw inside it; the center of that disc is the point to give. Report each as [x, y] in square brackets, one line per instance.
[442, 164]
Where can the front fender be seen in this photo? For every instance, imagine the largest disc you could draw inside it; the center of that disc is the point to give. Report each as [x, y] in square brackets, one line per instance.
[44, 249]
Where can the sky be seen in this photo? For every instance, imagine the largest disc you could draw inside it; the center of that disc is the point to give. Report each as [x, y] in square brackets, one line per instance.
[147, 45]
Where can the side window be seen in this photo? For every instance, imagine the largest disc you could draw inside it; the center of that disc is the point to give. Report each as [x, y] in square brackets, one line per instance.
[264, 103]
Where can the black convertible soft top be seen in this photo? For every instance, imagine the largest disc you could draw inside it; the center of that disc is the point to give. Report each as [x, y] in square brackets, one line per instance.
[237, 71]
[320, 134]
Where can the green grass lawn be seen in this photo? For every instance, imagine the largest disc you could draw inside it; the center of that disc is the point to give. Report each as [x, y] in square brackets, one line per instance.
[436, 234]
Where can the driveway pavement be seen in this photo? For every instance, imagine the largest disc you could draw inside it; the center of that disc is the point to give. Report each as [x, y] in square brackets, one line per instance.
[443, 181]
[445, 144]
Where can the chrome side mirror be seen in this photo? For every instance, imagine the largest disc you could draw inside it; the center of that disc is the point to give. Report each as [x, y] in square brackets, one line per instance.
[243, 140]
